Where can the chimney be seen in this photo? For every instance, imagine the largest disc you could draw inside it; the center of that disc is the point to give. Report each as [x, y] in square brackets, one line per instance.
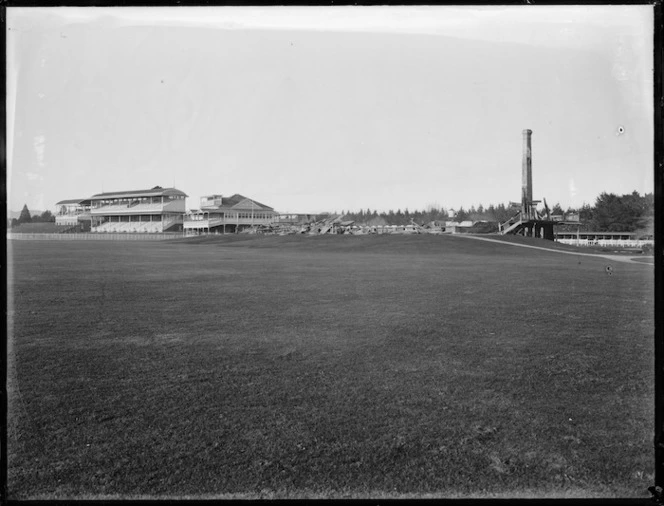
[526, 173]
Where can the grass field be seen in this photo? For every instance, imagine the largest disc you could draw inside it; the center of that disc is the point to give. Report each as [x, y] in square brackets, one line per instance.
[331, 366]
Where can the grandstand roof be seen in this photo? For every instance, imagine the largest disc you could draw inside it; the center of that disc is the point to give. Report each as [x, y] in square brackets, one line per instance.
[157, 191]
[235, 201]
[72, 201]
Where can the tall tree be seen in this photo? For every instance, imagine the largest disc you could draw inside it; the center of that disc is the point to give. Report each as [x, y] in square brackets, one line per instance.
[47, 217]
[461, 215]
[25, 215]
[615, 213]
[586, 213]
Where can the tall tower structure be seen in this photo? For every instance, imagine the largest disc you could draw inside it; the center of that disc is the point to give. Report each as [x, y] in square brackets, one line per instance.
[527, 175]
[529, 222]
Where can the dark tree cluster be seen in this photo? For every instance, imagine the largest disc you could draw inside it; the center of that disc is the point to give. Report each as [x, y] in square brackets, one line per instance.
[622, 213]
[492, 213]
[26, 217]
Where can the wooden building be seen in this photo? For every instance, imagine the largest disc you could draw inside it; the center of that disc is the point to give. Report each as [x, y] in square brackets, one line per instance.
[73, 212]
[141, 211]
[218, 214]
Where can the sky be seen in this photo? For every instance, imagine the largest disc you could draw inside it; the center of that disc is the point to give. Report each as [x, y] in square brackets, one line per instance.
[325, 109]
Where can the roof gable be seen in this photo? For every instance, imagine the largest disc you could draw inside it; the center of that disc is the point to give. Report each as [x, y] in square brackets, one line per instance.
[231, 201]
[248, 204]
[239, 202]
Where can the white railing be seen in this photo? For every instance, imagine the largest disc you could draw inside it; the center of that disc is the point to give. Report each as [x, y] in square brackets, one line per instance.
[619, 243]
[195, 224]
[192, 224]
[66, 220]
[94, 236]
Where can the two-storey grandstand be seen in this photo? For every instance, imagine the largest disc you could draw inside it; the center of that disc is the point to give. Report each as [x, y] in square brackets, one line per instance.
[142, 211]
[218, 214]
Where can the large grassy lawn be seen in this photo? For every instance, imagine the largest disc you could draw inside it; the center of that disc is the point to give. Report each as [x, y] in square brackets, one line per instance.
[342, 366]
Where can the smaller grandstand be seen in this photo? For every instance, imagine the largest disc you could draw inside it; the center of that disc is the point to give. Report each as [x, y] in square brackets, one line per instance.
[606, 239]
[74, 213]
[237, 213]
[138, 211]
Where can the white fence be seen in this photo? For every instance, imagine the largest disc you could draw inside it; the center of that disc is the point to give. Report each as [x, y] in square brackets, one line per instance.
[617, 243]
[93, 237]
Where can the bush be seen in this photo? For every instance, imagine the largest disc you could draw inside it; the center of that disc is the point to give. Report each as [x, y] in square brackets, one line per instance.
[484, 227]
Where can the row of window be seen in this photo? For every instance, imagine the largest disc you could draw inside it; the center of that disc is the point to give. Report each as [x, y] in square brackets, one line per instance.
[139, 200]
[138, 218]
[231, 216]
[573, 235]
[256, 216]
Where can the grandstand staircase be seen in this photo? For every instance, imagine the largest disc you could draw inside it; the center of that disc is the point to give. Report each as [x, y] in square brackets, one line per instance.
[325, 225]
[510, 227]
[169, 223]
[530, 224]
[326, 228]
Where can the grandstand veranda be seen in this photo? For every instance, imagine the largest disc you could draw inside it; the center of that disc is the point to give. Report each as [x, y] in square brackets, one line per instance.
[234, 214]
[156, 210]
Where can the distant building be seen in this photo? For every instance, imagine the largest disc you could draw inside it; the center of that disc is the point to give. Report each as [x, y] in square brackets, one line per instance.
[615, 239]
[219, 214]
[73, 212]
[458, 226]
[297, 218]
[145, 211]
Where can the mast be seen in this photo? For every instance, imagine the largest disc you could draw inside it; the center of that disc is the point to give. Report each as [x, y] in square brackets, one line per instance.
[527, 176]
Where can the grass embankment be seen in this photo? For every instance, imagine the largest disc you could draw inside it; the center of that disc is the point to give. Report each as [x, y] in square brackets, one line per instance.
[358, 366]
[40, 228]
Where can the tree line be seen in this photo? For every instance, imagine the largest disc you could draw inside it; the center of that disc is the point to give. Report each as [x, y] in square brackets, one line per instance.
[610, 213]
[496, 213]
[26, 217]
[620, 213]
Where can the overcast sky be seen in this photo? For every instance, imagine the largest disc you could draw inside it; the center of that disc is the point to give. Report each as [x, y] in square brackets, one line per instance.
[314, 109]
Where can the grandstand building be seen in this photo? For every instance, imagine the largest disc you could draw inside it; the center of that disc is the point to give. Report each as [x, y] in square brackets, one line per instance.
[73, 212]
[219, 214]
[613, 239]
[143, 211]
